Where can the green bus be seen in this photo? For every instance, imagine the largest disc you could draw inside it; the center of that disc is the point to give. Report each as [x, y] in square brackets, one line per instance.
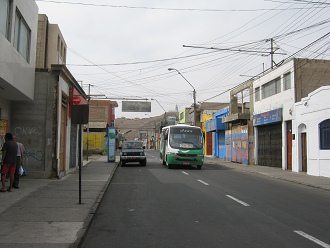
[182, 145]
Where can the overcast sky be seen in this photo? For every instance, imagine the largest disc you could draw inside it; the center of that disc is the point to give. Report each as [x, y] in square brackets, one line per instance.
[112, 43]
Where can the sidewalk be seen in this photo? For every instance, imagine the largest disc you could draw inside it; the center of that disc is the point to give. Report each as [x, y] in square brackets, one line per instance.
[278, 173]
[46, 213]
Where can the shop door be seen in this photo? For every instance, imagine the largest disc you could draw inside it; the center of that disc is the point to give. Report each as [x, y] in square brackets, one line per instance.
[209, 143]
[63, 137]
[289, 150]
[270, 145]
[304, 152]
[228, 145]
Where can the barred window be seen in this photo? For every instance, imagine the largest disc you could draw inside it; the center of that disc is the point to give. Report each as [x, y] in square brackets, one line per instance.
[271, 88]
[287, 81]
[324, 127]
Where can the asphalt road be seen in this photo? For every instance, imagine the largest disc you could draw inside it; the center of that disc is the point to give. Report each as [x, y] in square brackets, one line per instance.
[153, 206]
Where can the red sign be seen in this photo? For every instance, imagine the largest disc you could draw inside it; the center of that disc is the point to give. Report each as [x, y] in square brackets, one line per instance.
[76, 100]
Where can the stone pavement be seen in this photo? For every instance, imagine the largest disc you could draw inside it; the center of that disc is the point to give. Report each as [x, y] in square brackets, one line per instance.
[47, 213]
[278, 173]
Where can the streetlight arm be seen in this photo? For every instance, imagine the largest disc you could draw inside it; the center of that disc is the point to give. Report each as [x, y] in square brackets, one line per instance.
[159, 104]
[194, 92]
[173, 69]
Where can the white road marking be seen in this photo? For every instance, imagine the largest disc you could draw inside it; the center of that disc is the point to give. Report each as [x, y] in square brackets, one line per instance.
[315, 240]
[201, 181]
[239, 201]
[98, 180]
[185, 173]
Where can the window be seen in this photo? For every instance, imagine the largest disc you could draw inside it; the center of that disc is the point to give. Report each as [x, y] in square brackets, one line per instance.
[271, 88]
[58, 43]
[257, 94]
[287, 81]
[22, 36]
[64, 55]
[325, 135]
[4, 17]
[61, 49]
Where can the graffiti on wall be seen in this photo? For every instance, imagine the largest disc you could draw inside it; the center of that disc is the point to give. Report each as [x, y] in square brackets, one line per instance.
[27, 131]
[31, 138]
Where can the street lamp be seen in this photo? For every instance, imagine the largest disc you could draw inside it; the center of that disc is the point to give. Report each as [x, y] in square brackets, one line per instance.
[194, 91]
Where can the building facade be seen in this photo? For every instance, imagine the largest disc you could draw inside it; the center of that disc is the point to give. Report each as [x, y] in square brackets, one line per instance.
[51, 46]
[208, 137]
[239, 134]
[101, 116]
[217, 128]
[275, 95]
[311, 130]
[44, 125]
[18, 37]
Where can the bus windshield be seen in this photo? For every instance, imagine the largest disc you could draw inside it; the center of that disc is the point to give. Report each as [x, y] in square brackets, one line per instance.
[186, 138]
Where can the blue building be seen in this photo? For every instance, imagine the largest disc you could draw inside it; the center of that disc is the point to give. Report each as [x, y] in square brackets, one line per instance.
[218, 128]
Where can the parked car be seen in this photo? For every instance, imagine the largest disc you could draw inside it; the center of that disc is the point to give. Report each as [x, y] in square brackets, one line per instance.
[132, 151]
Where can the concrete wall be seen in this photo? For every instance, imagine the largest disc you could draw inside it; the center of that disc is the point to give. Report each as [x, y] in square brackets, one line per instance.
[49, 52]
[42, 39]
[17, 74]
[55, 56]
[310, 112]
[33, 124]
[310, 75]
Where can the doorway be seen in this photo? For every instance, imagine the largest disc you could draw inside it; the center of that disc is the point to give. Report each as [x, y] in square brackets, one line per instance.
[64, 114]
[289, 146]
[303, 152]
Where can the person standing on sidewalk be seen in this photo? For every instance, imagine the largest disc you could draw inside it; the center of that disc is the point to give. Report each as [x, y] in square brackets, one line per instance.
[9, 153]
[19, 161]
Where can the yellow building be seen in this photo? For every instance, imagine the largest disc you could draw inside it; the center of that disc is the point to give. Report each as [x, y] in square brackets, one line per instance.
[207, 136]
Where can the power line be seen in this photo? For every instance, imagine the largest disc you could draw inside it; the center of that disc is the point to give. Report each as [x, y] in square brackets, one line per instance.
[144, 62]
[167, 9]
[291, 56]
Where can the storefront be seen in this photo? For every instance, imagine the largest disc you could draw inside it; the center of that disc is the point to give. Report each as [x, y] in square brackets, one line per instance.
[217, 128]
[268, 138]
[237, 136]
[208, 137]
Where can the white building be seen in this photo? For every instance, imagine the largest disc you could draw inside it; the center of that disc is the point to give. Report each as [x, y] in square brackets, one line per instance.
[18, 37]
[275, 95]
[311, 127]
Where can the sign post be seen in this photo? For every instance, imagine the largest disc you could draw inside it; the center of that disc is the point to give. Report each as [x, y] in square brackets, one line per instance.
[111, 142]
[80, 116]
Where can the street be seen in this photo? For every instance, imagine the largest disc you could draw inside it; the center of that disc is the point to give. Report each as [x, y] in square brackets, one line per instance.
[153, 206]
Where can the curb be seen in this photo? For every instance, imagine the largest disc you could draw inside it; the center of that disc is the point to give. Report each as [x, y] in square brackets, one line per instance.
[271, 176]
[88, 221]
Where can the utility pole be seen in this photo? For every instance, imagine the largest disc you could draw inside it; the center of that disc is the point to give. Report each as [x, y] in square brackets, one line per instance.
[194, 95]
[271, 52]
[194, 91]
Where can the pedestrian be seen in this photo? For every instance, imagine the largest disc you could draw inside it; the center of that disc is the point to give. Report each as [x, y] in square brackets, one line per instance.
[19, 162]
[9, 153]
